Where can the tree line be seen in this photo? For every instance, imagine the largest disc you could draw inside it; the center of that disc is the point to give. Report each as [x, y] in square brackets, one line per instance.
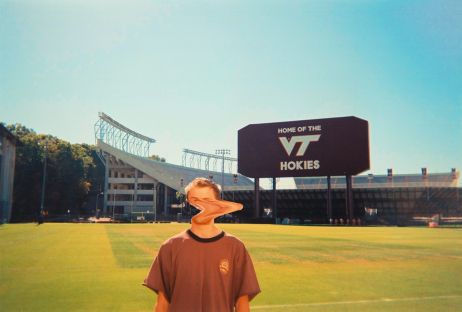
[74, 175]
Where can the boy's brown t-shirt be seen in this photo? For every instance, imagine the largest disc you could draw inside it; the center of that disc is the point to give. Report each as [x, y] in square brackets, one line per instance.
[198, 274]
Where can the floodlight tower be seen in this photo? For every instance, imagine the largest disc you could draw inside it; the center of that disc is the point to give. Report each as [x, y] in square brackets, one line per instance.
[222, 152]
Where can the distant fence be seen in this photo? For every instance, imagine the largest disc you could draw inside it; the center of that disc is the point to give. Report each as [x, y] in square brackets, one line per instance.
[395, 206]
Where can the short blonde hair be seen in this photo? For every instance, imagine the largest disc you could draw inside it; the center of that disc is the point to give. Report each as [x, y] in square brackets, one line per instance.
[203, 182]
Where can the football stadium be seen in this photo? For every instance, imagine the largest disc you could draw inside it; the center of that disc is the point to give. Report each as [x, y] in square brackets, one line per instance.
[210, 156]
[328, 243]
[141, 189]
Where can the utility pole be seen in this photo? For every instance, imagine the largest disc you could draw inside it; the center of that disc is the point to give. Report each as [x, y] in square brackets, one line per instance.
[113, 203]
[235, 179]
[96, 204]
[44, 179]
[154, 200]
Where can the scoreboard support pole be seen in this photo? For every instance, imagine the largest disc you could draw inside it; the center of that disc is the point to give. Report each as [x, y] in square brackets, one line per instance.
[349, 198]
[329, 200]
[275, 208]
[256, 201]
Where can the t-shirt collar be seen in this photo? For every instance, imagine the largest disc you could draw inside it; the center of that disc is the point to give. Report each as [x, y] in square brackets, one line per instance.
[205, 240]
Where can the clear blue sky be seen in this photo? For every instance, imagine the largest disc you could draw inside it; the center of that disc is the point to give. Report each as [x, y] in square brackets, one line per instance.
[191, 73]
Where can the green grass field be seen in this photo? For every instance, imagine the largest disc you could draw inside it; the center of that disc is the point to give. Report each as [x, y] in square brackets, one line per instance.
[97, 267]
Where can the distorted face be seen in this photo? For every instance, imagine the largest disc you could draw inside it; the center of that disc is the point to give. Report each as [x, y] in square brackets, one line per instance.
[196, 194]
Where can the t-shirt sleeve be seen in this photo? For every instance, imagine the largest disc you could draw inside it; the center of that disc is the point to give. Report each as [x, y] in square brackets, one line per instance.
[158, 276]
[246, 278]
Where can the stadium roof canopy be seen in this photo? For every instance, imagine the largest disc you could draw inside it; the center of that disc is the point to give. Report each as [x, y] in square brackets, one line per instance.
[449, 179]
[172, 175]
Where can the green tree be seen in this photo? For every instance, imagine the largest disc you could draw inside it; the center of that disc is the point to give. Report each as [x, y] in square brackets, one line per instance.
[157, 157]
[74, 173]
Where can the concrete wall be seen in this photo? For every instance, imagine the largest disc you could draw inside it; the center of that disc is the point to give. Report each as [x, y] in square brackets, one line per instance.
[7, 163]
[126, 191]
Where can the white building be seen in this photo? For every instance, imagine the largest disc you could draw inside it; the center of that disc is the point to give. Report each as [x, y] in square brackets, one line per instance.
[7, 162]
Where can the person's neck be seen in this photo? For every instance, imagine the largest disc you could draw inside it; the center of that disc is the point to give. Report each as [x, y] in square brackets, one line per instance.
[205, 230]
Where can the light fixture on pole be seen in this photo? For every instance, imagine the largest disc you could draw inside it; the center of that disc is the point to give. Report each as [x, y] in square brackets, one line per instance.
[235, 179]
[96, 204]
[113, 203]
[222, 152]
[154, 200]
[44, 179]
[133, 199]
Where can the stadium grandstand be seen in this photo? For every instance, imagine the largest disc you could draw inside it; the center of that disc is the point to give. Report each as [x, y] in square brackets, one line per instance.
[387, 200]
[140, 188]
[448, 179]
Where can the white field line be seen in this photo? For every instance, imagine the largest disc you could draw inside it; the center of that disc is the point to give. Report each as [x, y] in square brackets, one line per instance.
[314, 304]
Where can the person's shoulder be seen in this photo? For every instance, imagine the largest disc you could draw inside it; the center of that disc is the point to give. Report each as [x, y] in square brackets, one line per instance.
[175, 239]
[233, 239]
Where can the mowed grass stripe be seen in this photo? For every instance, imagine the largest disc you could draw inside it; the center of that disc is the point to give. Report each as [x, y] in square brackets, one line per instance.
[96, 267]
[353, 304]
[52, 264]
[332, 244]
[135, 246]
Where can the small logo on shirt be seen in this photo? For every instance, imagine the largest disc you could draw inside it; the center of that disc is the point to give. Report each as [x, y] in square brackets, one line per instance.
[224, 266]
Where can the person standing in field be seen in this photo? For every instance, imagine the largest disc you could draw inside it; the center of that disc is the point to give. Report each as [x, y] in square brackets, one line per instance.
[203, 268]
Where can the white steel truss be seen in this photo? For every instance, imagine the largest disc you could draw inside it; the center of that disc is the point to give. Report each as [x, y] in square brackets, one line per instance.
[205, 161]
[117, 135]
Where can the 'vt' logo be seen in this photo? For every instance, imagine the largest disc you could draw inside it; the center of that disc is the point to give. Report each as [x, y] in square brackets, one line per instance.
[305, 140]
